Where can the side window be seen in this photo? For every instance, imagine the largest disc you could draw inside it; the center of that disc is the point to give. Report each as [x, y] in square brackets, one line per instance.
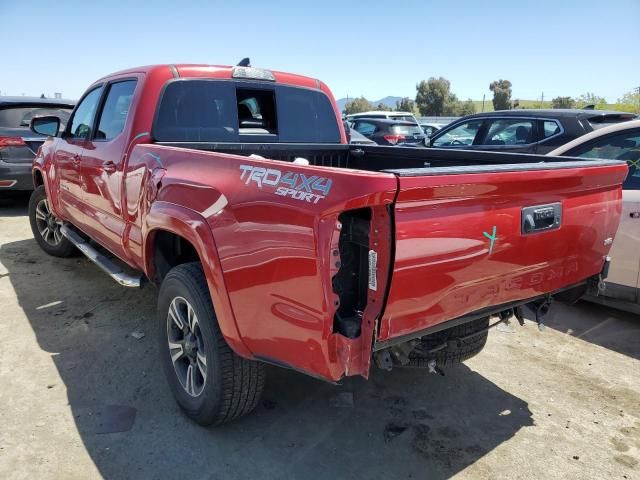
[624, 146]
[82, 120]
[550, 128]
[509, 131]
[365, 128]
[115, 110]
[463, 134]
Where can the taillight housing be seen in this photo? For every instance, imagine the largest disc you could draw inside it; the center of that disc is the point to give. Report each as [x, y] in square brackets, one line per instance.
[11, 142]
[394, 139]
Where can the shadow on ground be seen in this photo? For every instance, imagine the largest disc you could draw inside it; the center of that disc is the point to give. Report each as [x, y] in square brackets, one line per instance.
[14, 204]
[402, 424]
[604, 326]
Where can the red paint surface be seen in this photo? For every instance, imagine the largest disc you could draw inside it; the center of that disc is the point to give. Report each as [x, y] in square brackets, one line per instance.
[269, 259]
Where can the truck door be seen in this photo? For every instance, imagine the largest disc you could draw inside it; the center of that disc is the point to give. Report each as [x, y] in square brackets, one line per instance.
[69, 153]
[102, 163]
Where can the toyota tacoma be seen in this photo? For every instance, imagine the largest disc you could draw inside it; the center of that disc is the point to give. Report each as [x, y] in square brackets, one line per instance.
[273, 240]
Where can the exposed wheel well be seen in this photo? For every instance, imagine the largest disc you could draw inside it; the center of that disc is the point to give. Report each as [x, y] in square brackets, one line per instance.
[170, 250]
[37, 179]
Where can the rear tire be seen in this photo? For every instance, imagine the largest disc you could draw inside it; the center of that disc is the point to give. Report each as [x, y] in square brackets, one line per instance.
[456, 351]
[209, 381]
[46, 227]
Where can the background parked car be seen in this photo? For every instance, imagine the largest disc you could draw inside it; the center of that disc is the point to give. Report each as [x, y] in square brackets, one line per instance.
[18, 144]
[357, 138]
[619, 142]
[430, 129]
[390, 132]
[402, 116]
[526, 131]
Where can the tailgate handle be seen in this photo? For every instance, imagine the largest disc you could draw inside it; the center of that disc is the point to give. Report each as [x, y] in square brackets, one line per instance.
[541, 218]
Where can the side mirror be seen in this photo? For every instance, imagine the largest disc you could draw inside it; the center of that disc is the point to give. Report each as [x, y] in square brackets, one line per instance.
[49, 125]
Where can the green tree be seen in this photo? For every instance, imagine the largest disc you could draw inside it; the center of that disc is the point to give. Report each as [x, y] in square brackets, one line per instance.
[590, 98]
[501, 94]
[357, 105]
[465, 108]
[406, 105]
[563, 102]
[630, 102]
[434, 98]
[381, 106]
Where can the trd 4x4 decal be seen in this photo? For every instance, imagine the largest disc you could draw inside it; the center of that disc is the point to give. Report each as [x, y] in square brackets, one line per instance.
[298, 186]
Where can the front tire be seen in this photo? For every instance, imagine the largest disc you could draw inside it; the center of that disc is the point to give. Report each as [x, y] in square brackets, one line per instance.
[209, 381]
[46, 227]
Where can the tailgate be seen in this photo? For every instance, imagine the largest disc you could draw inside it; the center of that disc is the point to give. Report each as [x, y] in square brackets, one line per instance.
[467, 238]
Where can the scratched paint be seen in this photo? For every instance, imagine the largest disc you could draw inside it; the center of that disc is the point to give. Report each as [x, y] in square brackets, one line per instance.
[140, 135]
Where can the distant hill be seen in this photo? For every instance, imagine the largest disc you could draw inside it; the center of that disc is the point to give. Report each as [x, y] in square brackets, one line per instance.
[388, 101]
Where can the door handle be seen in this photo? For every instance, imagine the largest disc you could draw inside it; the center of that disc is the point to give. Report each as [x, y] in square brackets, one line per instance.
[76, 159]
[109, 166]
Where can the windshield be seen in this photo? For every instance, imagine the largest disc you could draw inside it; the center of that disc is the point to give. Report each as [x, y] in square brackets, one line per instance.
[15, 117]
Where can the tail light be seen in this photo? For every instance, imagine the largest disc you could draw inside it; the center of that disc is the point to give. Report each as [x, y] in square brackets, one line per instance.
[394, 139]
[11, 142]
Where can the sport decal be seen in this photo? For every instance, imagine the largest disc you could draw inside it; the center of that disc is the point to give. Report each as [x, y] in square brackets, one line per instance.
[298, 186]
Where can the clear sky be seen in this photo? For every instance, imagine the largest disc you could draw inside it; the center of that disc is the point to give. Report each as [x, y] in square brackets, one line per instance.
[374, 48]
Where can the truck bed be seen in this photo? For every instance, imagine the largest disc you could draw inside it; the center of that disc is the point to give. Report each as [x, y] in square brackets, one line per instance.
[368, 157]
[391, 244]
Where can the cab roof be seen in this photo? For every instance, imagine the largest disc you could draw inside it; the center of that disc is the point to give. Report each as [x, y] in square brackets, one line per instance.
[219, 71]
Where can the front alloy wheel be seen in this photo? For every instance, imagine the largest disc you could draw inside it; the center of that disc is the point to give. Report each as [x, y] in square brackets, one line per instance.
[48, 225]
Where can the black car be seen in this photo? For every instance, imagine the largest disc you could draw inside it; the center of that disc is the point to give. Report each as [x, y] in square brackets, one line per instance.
[390, 132]
[18, 144]
[526, 131]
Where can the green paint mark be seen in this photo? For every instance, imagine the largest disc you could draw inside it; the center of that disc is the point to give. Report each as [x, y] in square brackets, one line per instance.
[492, 238]
[140, 135]
[634, 163]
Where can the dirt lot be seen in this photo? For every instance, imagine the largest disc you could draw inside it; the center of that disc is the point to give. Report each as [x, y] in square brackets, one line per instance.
[563, 403]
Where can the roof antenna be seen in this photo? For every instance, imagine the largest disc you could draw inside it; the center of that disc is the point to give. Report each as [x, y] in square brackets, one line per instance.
[245, 62]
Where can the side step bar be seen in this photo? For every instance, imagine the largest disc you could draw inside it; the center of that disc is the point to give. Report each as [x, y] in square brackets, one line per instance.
[109, 267]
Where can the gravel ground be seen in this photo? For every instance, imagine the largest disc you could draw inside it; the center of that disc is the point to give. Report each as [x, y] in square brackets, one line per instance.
[563, 403]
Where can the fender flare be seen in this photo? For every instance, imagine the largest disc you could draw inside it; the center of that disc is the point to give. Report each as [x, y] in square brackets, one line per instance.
[191, 226]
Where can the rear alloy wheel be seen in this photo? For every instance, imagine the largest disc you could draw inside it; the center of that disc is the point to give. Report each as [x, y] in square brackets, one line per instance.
[46, 227]
[210, 382]
[186, 347]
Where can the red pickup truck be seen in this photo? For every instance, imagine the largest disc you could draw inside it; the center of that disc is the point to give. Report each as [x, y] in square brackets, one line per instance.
[272, 240]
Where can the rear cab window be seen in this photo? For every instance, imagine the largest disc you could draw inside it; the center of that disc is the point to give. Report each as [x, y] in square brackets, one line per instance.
[238, 111]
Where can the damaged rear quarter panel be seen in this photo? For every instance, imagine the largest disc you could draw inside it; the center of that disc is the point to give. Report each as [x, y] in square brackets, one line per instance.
[275, 226]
